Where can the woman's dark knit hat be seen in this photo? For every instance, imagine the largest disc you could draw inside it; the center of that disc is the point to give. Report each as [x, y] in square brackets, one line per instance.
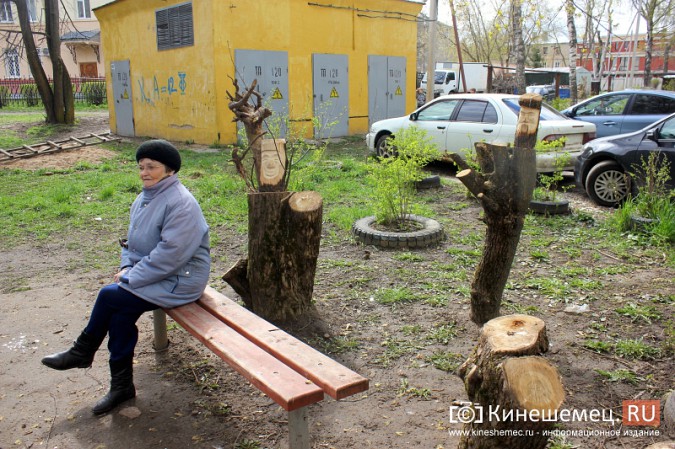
[161, 151]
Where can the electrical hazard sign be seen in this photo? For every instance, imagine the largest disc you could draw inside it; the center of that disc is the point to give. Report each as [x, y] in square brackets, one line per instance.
[276, 95]
[334, 93]
[398, 91]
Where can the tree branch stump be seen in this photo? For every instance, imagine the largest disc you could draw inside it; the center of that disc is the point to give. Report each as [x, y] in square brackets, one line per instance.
[504, 188]
[506, 374]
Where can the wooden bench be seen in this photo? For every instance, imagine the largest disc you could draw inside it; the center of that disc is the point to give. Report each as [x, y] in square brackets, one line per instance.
[287, 370]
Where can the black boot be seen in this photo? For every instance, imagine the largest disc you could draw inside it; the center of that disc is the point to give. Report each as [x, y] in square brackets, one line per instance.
[121, 386]
[81, 355]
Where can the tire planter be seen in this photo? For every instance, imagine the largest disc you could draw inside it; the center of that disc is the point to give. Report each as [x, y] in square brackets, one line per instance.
[429, 182]
[641, 224]
[431, 233]
[550, 207]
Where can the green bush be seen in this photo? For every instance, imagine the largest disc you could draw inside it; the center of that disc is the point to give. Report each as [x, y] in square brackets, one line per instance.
[94, 92]
[30, 94]
[395, 177]
[4, 96]
[560, 103]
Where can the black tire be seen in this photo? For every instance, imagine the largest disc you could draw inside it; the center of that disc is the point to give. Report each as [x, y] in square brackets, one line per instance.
[431, 233]
[429, 182]
[384, 146]
[607, 184]
[550, 207]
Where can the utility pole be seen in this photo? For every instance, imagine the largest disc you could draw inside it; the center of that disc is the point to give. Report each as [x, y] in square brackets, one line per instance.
[431, 57]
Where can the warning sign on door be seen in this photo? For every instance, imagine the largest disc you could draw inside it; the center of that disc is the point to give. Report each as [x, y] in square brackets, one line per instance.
[334, 93]
[276, 95]
[398, 91]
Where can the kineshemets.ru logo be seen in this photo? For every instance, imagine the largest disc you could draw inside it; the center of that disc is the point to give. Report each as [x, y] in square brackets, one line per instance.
[635, 413]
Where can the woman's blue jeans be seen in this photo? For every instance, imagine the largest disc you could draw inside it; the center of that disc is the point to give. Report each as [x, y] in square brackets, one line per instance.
[115, 313]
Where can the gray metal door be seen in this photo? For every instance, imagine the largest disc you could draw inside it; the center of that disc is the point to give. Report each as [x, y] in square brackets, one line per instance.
[386, 87]
[270, 68]
[377, 88]
[124, 112]
[396, 86]
[331, 95]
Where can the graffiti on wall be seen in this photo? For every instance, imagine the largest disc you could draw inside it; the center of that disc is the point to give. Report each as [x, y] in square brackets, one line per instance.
[172, 86]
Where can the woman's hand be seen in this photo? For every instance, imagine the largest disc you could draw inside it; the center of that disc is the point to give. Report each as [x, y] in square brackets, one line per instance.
[116, 278]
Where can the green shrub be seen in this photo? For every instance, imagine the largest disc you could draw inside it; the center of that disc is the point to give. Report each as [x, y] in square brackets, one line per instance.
[4, 96]
[395, 177]
[94, 92]
[30, 94]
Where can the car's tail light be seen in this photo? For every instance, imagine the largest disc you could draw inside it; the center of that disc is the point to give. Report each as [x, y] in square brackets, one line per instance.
[552, 137]
[588, 137]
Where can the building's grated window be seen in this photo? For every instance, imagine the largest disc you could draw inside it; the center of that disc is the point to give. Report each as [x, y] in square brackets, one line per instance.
[174, 27]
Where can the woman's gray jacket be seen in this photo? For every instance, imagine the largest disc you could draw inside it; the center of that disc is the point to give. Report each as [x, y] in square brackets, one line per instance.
[167, 246]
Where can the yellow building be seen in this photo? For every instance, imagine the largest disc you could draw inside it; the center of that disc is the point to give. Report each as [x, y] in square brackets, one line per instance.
[171, 63]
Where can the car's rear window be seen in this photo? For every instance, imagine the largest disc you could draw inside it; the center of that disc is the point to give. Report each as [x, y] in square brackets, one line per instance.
[652, 104]
[547, 112]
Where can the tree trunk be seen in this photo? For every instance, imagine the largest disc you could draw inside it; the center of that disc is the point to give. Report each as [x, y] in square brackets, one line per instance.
[572, 34]
[519, 44]
[504, 188]
[36, 69]
[57, 98]
[515, 391]
[284, 228]
[283, 246]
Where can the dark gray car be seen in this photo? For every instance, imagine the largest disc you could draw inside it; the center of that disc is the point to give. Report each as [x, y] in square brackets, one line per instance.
[605, 165]
[623, 111]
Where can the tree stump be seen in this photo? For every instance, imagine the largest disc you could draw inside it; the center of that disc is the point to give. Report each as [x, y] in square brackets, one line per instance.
[284, 234]
[515, 393]
[276, 281]
[504, 188]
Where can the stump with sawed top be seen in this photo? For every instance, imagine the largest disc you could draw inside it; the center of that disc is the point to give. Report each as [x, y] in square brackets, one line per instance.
[507, 376]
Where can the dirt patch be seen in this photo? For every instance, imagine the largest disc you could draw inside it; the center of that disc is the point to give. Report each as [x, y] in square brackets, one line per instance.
[188, 398]
[62, 160]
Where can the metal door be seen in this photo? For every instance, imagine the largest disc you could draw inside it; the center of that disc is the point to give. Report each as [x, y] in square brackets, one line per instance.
[124, 112]
[386, 87]
[396, 86]
[270, 68]
[377, 88]
[331, 95]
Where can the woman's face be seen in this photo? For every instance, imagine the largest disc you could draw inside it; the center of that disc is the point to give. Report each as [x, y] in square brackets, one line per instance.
[151, 171]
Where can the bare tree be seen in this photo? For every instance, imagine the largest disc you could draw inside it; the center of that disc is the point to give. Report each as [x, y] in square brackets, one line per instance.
[656, 14]
[57, 97]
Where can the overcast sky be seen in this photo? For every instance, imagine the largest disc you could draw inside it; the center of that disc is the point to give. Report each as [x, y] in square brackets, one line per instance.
[624, 22]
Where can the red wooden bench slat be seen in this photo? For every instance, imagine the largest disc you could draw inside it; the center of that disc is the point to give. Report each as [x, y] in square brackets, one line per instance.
[336, 380]
[285, 386]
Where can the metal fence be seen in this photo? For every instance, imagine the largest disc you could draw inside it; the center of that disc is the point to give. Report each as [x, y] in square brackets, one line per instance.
[24, 92]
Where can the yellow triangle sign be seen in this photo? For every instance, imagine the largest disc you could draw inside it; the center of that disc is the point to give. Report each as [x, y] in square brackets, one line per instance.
[276, 95]
[398, 91]
[334, 93]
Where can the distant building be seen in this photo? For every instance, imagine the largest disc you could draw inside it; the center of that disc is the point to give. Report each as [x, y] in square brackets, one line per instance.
[172, 63]
[80, 46]
[623, 64]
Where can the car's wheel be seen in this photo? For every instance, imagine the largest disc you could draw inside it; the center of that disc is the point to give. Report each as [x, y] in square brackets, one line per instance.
[607, 184]
[385, 147]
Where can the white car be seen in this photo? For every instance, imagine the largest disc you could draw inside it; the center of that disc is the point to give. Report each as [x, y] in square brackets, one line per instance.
[455, 122]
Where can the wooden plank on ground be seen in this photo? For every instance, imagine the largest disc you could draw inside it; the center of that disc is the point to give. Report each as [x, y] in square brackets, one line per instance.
[285, 386]
[337, 380]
